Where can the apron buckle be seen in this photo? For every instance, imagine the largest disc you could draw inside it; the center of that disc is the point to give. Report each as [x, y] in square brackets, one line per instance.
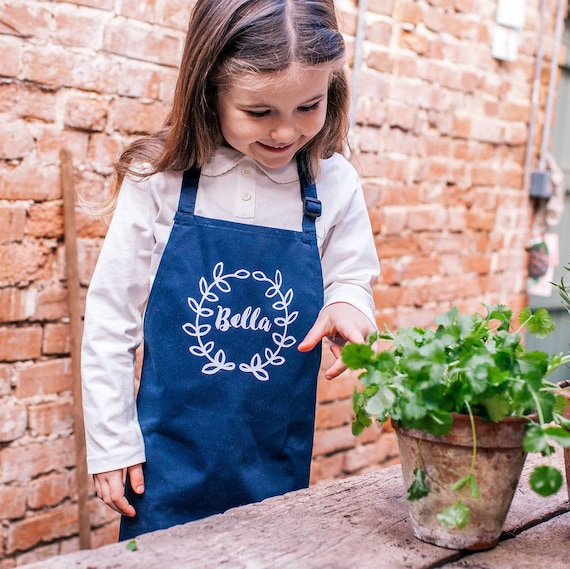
[312, 207]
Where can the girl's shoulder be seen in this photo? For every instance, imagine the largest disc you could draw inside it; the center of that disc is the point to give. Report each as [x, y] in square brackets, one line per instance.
[337, 170]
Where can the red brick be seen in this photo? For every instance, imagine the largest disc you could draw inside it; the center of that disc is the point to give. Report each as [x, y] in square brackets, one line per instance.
[13, 424]
[48, 490]
[42, 528]
[44, 378]
[86, 113]
[134, 117]
[13, 500]
[47, 65]
[30, 180]
[45, 220]
[326, 468]
[16, 139]
[12, 53]
[427, 218]
[51, 303]
[12, 223]
[137, 41]
[20, 343]
[56, 339]
[17, 304]
[24, 20]
[51, 418]
[333, 440]
[148, 11]
[334, 414]
[23, 463]
[78, 28]
[6, 374]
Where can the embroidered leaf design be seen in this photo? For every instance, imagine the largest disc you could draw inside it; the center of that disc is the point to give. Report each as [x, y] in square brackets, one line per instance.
[193, 304]
[292, 317]
[203, 286]
[271, 292]
[278, 360]
[203, 329]
[190, 329]
[278, 279]
[206, 312]
[218, 271]
[277, 338]
[288, 342]
[241, 274]
[224, 286]
[208, 347]
[260, 374]
[288, 297]
[197, 351]
[258, 276]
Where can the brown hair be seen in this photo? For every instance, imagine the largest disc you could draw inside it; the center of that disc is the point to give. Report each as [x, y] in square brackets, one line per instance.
[226, 38]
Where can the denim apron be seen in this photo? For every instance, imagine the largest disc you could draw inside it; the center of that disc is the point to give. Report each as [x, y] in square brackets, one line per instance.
[226, 402]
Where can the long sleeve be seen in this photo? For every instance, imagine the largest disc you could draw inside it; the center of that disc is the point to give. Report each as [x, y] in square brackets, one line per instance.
[348, 255]
[113, 331]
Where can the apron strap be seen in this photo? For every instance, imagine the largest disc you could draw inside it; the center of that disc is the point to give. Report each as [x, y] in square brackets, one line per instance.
[188, 192]
[312, 206]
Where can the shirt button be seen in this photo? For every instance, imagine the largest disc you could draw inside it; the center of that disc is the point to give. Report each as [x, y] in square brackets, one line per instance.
[246, 172]
[246, 196]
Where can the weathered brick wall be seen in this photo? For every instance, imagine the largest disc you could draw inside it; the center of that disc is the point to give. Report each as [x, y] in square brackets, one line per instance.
[440, 143]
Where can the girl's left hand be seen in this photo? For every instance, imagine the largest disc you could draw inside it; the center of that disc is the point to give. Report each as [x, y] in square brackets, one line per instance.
[341, 323]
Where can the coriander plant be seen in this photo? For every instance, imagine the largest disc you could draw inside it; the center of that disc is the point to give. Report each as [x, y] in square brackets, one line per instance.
[473, 365]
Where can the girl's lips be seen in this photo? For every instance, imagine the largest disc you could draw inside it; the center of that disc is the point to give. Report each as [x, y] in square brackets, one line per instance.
[276, 149]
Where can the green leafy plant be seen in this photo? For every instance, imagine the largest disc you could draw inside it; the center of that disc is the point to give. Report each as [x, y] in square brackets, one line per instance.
[469, 364]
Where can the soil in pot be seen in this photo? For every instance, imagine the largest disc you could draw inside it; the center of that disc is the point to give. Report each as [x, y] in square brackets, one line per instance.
[498, 466]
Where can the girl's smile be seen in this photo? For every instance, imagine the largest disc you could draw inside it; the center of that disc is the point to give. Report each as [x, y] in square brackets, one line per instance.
[271, 117]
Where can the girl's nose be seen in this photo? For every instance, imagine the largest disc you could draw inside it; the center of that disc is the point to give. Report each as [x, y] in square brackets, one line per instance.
[283, 132]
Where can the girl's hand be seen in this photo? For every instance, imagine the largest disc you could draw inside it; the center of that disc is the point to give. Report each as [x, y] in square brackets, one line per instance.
[341, 323]
[110, 488]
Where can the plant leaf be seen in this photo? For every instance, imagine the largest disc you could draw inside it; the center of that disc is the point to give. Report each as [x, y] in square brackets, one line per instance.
[357, 356]
[456, 516]
[535, 440]
[418, 488]
[545, 480]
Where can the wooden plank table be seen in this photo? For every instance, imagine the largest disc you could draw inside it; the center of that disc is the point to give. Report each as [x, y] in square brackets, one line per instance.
[357, 523]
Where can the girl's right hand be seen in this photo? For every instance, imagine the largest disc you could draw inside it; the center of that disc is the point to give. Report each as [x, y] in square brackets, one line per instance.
[110, 488]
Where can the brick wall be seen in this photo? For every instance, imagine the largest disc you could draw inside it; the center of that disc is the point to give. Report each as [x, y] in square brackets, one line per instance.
[440, 143]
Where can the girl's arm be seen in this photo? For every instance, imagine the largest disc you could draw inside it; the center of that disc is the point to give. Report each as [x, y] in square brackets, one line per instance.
[113, 331]
[350, 265]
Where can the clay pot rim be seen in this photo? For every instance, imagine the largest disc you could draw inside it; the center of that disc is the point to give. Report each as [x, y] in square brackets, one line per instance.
[511, 431]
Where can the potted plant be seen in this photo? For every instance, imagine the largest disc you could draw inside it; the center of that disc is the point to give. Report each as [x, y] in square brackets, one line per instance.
[468, 394]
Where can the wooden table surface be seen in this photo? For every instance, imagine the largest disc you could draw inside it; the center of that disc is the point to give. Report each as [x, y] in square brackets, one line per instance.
[357, 523]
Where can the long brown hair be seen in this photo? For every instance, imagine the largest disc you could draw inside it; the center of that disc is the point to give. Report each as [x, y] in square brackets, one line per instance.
[225, 39]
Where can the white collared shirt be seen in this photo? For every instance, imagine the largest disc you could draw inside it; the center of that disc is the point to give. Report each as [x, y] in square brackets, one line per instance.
[232, 187]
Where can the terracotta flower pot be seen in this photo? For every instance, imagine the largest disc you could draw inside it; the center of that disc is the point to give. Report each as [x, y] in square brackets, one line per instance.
[498, 466]
[565, 390]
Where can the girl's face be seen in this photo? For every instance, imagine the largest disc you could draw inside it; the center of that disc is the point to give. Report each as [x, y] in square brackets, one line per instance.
[270, 117]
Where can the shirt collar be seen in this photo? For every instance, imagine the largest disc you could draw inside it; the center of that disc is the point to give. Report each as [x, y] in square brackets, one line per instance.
[225, 159]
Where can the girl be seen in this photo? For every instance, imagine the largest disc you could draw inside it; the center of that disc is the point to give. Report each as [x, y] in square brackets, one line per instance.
[242, 236]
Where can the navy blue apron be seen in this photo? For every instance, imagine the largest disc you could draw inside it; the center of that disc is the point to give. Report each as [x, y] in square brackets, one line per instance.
[226, 402]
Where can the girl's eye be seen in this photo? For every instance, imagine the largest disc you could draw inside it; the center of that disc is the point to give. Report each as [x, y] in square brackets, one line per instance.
[257, 114]
[310, 108]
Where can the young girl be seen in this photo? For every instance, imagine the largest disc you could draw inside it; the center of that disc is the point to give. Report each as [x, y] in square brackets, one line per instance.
[241, 235]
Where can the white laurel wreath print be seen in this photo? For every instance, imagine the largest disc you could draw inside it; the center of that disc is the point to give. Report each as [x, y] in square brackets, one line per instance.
[217, 359]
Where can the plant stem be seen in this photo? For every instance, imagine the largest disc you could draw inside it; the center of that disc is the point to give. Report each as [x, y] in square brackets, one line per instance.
[474, 435]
